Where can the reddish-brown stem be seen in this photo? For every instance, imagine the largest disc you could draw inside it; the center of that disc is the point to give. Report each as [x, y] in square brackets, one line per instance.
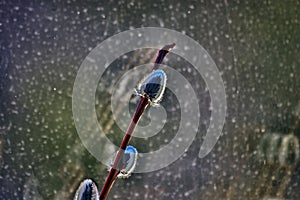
[162, 54]
[143, 103]
[113, 173]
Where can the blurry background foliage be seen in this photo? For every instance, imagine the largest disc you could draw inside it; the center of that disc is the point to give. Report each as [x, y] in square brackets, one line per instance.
[255, 45]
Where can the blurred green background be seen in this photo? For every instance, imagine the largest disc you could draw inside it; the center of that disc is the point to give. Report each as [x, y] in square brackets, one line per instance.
[255, 45]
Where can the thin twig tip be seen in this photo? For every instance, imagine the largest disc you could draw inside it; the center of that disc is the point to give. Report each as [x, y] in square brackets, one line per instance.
[168, 47]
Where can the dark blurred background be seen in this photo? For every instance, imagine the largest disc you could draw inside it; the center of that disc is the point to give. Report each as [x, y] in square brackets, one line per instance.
[255, 45]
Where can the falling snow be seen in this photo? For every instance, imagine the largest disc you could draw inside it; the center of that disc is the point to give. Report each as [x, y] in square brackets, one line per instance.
[255, 45]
